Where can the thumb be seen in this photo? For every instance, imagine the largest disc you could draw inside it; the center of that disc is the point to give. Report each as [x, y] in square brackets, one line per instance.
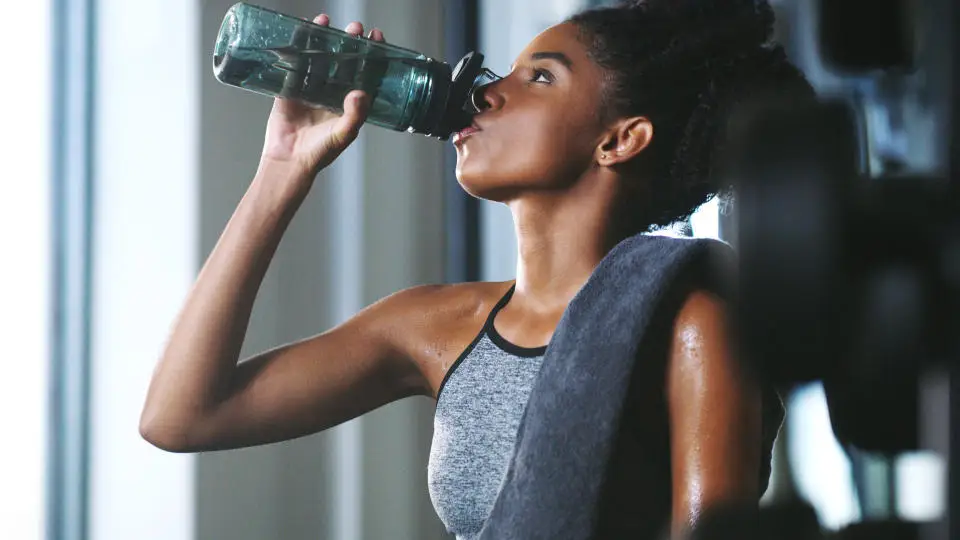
[356, 106]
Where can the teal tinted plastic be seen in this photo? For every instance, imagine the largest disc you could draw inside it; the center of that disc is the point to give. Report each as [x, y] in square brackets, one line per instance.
[270, 53]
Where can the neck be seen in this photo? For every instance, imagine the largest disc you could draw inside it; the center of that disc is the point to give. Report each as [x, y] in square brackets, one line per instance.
[561, 239]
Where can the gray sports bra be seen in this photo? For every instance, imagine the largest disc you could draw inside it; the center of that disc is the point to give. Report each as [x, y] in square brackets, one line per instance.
[479, 406]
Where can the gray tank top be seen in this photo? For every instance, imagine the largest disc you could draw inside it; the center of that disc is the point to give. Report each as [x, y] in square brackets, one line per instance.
[479, 405]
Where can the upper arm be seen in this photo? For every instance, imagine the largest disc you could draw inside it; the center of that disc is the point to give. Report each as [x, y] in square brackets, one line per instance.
[715, 414]
[316, 383]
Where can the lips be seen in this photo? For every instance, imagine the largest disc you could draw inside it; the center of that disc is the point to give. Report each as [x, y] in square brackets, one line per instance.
[461, 135]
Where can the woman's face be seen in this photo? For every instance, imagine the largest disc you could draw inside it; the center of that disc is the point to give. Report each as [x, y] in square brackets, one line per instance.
[540, 125]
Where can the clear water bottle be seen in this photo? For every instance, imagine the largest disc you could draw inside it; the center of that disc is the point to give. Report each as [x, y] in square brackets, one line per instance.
[270, 53]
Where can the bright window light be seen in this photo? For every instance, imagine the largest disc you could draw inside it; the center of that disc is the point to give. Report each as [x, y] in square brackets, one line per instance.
[25, 273]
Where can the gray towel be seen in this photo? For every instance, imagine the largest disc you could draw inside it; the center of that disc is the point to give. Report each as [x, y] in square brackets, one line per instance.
[553, 486]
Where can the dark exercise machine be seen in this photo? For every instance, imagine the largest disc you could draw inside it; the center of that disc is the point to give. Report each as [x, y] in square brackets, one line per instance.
[850, 254]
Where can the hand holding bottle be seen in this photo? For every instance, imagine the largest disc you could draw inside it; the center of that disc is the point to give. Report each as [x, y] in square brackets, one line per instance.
[307, 138]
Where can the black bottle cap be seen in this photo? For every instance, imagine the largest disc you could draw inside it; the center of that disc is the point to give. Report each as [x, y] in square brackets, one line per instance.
[447, 113]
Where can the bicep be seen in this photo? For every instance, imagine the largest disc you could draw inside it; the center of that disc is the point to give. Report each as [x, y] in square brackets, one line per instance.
[715, 414]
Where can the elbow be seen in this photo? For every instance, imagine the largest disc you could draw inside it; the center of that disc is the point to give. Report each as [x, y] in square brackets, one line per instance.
[164, 435]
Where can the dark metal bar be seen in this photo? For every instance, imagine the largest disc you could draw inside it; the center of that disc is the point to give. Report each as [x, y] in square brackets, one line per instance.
[951, 12]
[463, 263]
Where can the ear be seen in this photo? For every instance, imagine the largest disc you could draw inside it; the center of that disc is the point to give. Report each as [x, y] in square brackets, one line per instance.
[624, 141]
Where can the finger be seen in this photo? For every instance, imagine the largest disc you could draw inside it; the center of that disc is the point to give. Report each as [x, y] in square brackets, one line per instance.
[376, 34]
[355, 108]
[354, 28]
[323, 19]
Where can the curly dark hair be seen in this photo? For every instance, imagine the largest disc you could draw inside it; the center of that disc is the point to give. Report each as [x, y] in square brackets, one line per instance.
[684, 64]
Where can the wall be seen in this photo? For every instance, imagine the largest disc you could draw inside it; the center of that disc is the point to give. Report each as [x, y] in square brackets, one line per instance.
[176, 151]
[145, 234]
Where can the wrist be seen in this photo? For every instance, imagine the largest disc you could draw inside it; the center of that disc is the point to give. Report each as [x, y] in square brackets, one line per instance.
[286, 167]
[284, 178]
[275, 195]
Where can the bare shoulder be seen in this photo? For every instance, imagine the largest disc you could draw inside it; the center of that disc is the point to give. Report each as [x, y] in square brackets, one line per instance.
[433, 324]
[701, 353]
[702, 315]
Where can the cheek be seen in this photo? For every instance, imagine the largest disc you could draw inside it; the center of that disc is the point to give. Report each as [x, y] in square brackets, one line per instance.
[531, 152]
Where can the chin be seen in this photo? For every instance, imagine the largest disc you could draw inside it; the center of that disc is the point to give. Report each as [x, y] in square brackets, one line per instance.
[482, 183]
[471, 175]
[475, 186]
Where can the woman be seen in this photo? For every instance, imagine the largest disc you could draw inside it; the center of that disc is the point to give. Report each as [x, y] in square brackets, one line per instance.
[607, 125]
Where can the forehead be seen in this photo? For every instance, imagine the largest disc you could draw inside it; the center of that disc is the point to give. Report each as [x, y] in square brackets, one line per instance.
[564, 38]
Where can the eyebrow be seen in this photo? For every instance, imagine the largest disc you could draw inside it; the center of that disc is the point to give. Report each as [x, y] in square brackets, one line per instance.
[558, 56]
[552, 55]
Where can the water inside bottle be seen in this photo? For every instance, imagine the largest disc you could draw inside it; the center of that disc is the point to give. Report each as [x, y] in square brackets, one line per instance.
[324, 77]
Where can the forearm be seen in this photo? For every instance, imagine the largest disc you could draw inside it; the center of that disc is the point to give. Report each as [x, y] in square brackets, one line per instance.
[195, 370]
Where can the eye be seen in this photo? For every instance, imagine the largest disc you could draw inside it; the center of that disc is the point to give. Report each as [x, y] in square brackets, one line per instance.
[541, 76]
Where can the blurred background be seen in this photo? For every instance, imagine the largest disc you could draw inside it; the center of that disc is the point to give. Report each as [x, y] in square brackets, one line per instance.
[124, 159]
